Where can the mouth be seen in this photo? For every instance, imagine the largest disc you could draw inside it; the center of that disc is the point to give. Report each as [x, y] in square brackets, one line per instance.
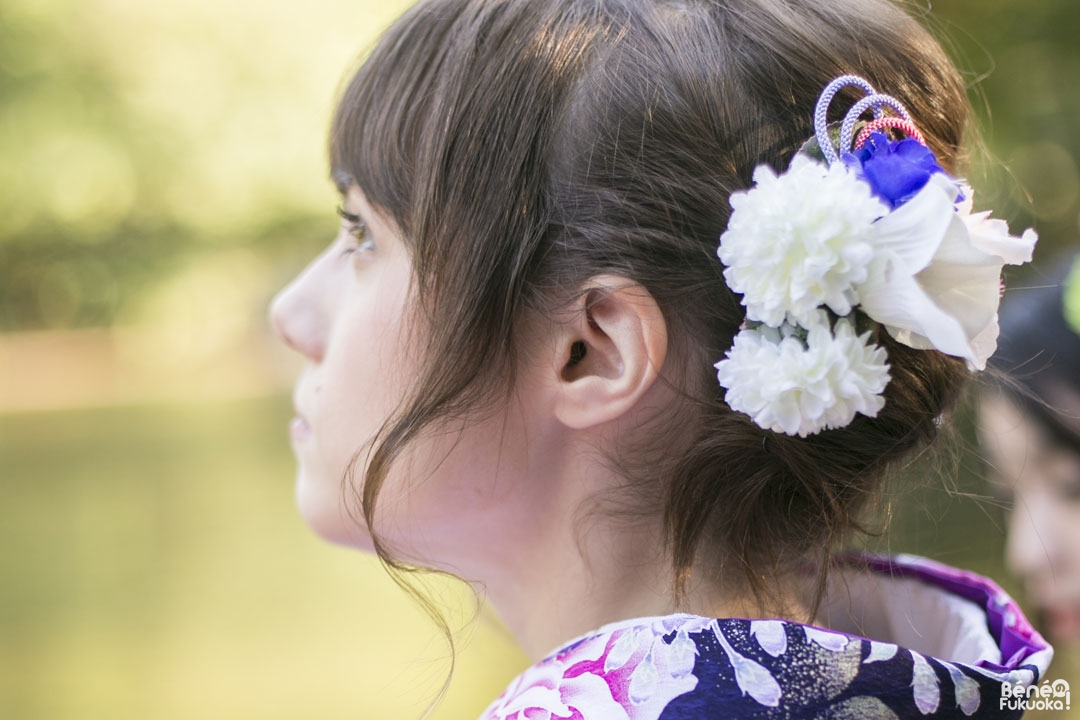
[1062, 622]
[299, 428]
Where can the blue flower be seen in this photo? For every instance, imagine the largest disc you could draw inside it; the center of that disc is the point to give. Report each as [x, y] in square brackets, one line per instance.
[896, 170]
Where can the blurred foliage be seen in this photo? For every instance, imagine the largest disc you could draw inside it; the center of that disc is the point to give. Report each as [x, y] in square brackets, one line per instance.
[154, 566]
[1023, 72]
[139, 138]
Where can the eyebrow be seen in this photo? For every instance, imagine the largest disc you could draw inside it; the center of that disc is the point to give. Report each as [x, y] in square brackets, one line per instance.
[342, 180]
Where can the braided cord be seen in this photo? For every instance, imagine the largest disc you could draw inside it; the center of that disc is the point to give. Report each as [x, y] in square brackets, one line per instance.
[889, 121]
[847, 129]
[821, 111]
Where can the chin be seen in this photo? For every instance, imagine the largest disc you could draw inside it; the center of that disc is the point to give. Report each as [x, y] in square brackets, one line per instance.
[326, 516]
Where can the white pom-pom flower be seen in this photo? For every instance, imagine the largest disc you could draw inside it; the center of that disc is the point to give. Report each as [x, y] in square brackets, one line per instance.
[803, 386]
[800, 240]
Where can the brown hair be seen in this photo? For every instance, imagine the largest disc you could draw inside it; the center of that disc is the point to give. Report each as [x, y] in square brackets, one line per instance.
[524, 147]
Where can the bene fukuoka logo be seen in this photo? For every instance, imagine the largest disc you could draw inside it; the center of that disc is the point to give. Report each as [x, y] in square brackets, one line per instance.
[1048, 696]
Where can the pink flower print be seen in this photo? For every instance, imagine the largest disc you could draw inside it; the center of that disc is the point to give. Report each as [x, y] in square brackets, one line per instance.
[629, 674]
[543, 693]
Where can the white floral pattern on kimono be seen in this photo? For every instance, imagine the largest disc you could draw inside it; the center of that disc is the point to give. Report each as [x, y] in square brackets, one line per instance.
[687, 667]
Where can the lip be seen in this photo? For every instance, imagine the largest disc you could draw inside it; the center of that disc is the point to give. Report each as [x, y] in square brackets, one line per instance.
[1062, 622]
[299, 429]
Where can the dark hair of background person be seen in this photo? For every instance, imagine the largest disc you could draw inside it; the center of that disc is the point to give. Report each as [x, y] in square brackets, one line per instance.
[524, 147]
[1039, 351]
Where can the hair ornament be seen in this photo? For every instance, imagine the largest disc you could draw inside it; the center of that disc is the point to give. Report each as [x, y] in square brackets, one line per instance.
[861, 232]
[895, 123]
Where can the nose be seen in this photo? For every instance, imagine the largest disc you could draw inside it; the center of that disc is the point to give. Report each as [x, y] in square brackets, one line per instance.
[298, 319]
[1029, 549]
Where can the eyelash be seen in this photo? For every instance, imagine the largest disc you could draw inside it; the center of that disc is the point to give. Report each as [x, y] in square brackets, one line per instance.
[356, 228]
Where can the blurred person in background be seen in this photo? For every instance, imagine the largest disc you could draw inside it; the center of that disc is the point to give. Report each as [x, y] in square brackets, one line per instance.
[1029, 427]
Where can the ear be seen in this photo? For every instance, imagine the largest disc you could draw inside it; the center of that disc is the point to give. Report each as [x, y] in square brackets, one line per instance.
[609, 353]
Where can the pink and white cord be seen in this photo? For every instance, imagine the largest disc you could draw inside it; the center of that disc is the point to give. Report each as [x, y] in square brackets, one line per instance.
[872, 101]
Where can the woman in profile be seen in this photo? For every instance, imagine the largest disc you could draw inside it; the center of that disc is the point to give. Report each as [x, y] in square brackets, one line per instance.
[633, 308]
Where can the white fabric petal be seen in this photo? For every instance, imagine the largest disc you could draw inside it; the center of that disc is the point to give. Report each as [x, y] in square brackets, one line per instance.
[936, 280]
[644, 681]
[956, 247]
[992, 236]
[770, 636]
[828, 640]
[984, 344]
[925, 684]
[912, 317]
[965, 689]
[621, 651]
[964, 282]
[682, 654]
[913, 232]
[752, 678]
[880, 651]
[967, 198]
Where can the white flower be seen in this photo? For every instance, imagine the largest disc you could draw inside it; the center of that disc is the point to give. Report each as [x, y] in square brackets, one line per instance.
[795, 388]
[816, 237]
[935, 278]
[799, 240]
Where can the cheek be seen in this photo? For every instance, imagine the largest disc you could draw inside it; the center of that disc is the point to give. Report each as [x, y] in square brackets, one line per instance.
[459, 494]
[360, 382]
[363, 379]
[1070, 531]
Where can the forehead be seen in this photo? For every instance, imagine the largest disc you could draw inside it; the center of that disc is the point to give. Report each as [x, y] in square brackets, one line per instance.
[384, 117]
[343, 181]
[1004, 430]
[1020, 450]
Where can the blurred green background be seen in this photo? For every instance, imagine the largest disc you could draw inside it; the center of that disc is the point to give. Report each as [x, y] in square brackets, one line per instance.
[163, 174]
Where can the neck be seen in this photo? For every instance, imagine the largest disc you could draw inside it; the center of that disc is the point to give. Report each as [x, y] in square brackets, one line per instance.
[555, 564]
[565, 588]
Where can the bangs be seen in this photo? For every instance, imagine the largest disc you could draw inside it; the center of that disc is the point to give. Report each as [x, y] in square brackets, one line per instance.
[381, 120]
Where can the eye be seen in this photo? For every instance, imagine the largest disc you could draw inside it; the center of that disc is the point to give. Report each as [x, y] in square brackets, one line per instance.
[1068, 487]
[355, 226]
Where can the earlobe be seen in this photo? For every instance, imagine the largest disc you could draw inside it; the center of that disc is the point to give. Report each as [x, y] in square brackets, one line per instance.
[610, 353]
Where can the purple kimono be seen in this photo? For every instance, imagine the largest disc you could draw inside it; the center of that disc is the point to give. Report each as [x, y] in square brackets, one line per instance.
[918, 639]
